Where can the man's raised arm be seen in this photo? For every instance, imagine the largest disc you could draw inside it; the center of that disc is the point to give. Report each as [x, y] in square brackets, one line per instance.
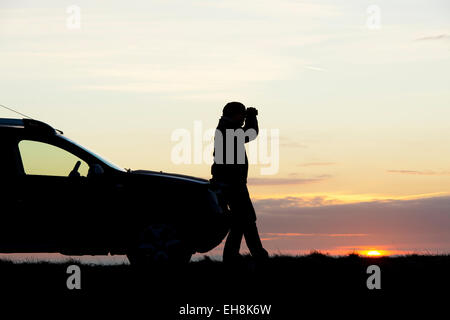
[251, 122]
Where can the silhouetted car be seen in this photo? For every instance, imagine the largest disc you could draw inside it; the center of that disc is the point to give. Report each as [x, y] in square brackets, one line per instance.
[56, 196]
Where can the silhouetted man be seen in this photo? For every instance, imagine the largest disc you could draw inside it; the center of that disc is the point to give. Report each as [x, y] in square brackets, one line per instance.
[230, 169]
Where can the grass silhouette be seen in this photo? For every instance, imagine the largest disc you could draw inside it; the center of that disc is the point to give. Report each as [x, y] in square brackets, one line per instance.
[286, 282]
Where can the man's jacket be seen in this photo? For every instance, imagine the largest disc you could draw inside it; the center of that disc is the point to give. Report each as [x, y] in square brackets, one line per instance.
[230, 159]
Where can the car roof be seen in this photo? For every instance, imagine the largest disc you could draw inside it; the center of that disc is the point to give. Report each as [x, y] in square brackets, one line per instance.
[28, 124]
[6, 122]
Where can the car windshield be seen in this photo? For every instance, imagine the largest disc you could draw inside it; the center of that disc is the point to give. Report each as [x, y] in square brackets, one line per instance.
[108, 163]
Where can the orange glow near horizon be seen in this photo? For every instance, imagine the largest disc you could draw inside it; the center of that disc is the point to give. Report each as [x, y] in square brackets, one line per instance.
[374, 253]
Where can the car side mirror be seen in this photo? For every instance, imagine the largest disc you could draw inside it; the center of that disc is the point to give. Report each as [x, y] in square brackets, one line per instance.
[95, 170]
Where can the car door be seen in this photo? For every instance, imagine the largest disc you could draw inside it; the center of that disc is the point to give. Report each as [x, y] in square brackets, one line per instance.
[49, 200]
[9, 192]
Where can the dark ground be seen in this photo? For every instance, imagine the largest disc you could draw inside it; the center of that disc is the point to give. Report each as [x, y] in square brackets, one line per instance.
[291, 285]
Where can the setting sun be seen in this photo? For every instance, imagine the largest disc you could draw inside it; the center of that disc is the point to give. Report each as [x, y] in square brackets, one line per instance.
[373, 253]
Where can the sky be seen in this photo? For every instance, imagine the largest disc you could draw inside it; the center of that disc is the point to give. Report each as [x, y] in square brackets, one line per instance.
[358, 91]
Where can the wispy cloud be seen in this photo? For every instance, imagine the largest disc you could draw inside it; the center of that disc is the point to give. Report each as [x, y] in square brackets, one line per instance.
[316, 164]
[314, 68]
[287, 181]
[293, 144]
[273, 204]
[295, 234]
[285, 8]
[421, 173]
[289, 143]
[435, 37]
[271, 236]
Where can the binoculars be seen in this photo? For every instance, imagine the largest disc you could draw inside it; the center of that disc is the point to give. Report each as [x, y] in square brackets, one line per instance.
[251, 112]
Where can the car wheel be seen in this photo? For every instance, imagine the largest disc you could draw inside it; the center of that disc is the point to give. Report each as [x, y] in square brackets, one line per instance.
[159, 243]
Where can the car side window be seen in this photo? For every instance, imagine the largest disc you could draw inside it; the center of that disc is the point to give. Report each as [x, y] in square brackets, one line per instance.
[44, 159]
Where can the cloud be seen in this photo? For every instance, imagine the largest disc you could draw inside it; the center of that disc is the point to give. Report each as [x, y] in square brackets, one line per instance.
[292, 223]
[316, 164]
[293, 144]
[289, 143]
[286, 181]
[333, 235]
[421, 173]
[436, 37]
[320, 215]
[284, 8]
[274, 236]
[189, 56]
[314, 68]
[270, 205]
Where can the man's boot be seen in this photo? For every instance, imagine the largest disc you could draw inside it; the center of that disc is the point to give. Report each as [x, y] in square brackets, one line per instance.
[254, 243]
[232, 245]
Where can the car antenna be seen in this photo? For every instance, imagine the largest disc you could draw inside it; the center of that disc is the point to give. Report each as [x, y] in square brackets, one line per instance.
[16, 112]
[10, 109]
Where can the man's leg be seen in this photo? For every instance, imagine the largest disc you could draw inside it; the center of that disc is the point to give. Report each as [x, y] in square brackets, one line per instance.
[254, 242]
[234, 239]
[243, 224]
[233, 244]
[250, 230]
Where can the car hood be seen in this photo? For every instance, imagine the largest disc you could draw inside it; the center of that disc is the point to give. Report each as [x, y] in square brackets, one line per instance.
[171, 176]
